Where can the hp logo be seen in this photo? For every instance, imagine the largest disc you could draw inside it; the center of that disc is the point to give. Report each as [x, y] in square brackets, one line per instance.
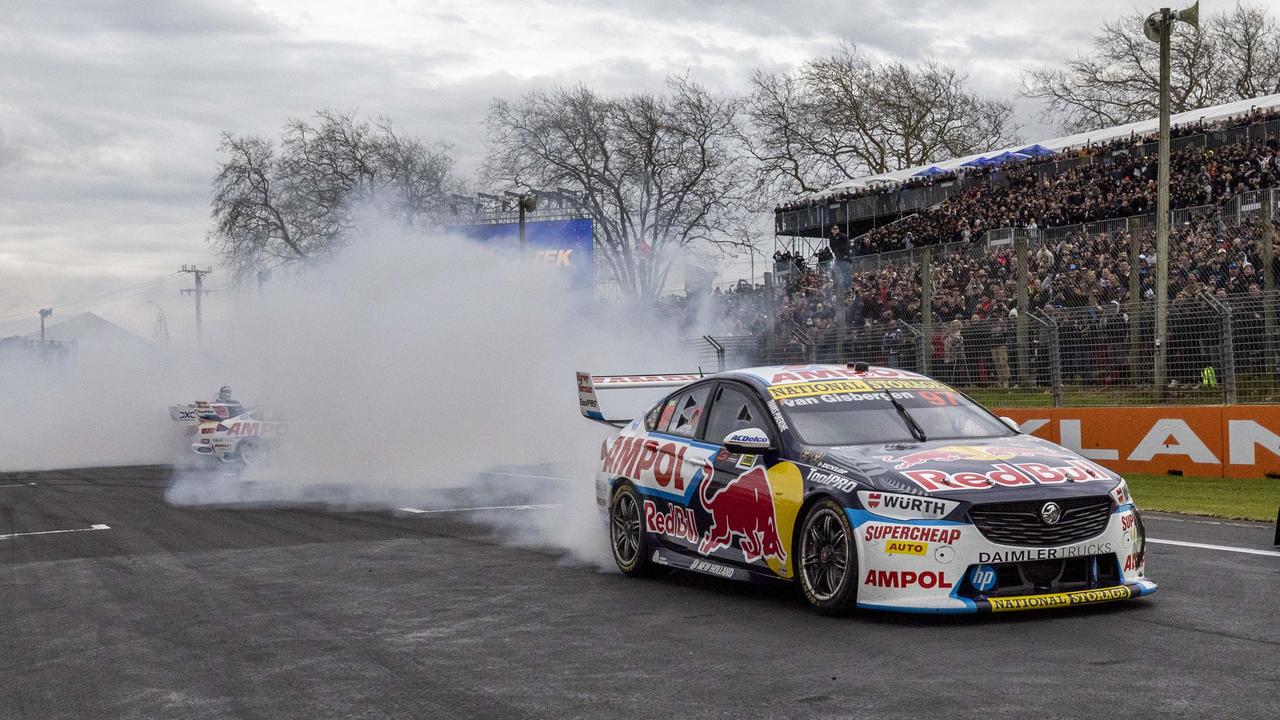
[983, 578]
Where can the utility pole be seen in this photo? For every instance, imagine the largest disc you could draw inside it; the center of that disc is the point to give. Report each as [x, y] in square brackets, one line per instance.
[44, 313]
[1159, 28]
[199, 292]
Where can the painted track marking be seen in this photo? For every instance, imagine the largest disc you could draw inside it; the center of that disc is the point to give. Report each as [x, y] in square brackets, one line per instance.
[1224, 548]
[18, 485]
[55, 532]
[1161, 518]
[420, 511]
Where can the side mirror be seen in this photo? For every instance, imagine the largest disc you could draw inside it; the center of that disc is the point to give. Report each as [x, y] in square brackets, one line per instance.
[748, 440]
[1013, 424]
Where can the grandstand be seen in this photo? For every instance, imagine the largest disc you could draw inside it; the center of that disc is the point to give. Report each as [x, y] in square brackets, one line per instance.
[865, 205]
[1082, 322]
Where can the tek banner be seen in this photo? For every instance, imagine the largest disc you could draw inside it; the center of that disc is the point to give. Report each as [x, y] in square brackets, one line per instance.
[565, 244]
[1224, 441]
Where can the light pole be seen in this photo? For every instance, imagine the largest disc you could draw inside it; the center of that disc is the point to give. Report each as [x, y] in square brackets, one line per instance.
[44, 313]
[1159, 29]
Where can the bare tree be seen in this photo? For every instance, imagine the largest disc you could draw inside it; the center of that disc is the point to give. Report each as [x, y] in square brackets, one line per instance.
[844, 116]
[657, 173]
[1231, 56]
[1249, 41]
[300, 204]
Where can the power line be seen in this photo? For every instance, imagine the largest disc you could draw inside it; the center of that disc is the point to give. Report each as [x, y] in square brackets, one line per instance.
[96, 298]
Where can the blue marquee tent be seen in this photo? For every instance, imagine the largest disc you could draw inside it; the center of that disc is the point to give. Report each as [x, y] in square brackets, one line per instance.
[930, 171]
[1036, 151]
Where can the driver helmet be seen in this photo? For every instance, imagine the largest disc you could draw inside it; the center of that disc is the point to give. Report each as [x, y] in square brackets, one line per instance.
[224, 393]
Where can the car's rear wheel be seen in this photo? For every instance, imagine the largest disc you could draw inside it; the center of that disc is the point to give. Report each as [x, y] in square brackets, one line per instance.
[626, 533]
[828, 559]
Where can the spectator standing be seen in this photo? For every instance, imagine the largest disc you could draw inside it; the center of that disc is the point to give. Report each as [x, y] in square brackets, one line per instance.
[843, 252]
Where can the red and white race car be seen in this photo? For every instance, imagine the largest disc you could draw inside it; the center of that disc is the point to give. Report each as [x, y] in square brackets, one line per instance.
[229, 432]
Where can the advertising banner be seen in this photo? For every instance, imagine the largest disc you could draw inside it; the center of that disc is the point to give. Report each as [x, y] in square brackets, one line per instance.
[1217, 440]
[565, 244]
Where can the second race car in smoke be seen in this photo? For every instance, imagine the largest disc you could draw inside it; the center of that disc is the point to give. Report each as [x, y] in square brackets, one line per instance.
[869, 487]
[227, 431]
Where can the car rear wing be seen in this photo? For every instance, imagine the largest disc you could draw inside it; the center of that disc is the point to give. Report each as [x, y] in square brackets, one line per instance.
[589, 404]
[193, 413]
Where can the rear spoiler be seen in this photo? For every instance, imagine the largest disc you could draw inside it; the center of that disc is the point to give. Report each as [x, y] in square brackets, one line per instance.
[185, 414]
[589, 404]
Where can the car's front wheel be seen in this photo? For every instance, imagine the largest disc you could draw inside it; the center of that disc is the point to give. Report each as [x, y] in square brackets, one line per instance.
[626, 533]
[253, 453]
[828, 559]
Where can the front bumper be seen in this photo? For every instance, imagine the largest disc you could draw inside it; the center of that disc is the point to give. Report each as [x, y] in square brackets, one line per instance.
[938, 566]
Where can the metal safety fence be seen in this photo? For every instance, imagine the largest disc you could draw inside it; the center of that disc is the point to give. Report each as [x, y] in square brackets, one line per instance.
[1080, 329]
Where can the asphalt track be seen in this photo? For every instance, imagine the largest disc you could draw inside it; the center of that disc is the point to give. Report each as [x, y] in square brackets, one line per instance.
[301, 613]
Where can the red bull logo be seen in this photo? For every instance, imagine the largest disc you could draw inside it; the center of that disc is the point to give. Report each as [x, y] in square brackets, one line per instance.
[743, 507]
[953, 453]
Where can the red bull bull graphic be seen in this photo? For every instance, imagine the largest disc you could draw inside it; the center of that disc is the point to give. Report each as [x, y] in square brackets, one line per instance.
[953, 453]
[743, 507]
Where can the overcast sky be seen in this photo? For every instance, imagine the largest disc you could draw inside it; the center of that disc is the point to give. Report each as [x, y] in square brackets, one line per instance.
[110, 110]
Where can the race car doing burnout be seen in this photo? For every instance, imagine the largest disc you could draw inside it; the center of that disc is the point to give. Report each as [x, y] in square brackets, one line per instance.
[229, 432]
[870, 487]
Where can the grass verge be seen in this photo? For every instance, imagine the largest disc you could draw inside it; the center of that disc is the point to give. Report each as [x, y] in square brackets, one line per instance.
[1232, 498]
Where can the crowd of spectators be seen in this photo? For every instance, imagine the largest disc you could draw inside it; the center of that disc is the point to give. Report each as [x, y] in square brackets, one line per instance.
[1097, 151]
[1083, 280]
[1123, 187]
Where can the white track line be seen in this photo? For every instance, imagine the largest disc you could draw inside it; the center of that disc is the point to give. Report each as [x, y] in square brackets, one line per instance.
[55, 532]
[18, 485]
[1161, 518]
[527, 475]
[1224, 548]
[420, 511]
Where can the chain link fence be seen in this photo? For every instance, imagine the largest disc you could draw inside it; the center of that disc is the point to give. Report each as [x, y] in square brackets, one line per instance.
[1079, 330]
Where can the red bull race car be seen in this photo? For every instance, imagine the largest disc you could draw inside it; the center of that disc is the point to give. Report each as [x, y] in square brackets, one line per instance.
[869, 487]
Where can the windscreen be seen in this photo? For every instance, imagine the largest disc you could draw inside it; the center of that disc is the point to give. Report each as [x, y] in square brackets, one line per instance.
[859, 412]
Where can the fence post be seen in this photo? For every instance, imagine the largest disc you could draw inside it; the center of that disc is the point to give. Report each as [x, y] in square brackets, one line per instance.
[926, 309]
[1269, 280]
[1135, 296]
[719, 349]
[1021, 272]
[1055, 359]
[1226, 347]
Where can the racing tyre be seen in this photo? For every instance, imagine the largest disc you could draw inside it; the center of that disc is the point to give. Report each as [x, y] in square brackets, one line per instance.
[253, 453]
[626, 533]
[828, 559]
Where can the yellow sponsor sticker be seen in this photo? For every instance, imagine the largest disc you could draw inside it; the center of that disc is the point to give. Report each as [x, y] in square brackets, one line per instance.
[1060, 600]
[905, 547]
[810, 389]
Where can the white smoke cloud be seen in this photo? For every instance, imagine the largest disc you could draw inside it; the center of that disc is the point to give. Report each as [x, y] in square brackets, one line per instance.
[430, 374]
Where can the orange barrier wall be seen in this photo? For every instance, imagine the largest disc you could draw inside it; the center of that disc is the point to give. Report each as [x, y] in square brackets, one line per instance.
[1224, 441]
